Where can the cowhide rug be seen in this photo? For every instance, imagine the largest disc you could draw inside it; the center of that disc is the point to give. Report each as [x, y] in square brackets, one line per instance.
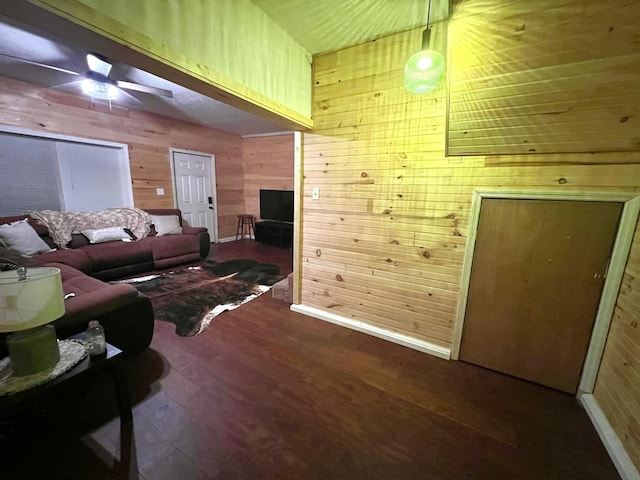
[193, 296]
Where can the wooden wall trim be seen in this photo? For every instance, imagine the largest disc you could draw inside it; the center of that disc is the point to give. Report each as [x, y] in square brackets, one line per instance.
[56, 136]
[610, 440]
[610, 292]
[298, 186]
[395, 337]
[474, 216]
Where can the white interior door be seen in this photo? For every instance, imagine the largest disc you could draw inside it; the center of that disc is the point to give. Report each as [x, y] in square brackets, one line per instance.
[195, 189]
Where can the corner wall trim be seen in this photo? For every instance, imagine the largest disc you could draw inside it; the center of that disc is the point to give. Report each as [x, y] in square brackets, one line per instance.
[404, 340]
[616, 450]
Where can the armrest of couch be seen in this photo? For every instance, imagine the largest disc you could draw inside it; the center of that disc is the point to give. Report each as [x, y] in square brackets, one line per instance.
[200, 232]
[203, 238]
[192, 230]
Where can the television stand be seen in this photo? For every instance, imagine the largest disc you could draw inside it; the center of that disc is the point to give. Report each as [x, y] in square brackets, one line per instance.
[278, 234]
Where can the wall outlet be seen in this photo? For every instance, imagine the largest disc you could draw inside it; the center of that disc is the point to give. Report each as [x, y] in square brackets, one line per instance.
[159, 191]
[315, 193]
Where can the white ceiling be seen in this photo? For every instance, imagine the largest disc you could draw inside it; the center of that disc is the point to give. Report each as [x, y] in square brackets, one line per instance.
[319, 26]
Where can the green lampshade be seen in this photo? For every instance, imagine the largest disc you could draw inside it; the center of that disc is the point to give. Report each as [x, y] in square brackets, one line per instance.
[29, 299]
[424, 71]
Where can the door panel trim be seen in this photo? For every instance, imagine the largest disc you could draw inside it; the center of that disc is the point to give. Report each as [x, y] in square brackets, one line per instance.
[612, 283]
[212, 176]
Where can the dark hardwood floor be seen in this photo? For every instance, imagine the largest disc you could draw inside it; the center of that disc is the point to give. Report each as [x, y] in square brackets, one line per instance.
[268, 393]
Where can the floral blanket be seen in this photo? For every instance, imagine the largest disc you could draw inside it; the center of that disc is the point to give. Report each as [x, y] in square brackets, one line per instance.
[62, 224]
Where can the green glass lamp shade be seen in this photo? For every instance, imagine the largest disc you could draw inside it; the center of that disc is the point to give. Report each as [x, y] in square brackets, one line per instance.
[424, 71]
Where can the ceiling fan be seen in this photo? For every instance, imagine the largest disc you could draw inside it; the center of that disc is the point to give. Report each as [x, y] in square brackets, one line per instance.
[96, 82]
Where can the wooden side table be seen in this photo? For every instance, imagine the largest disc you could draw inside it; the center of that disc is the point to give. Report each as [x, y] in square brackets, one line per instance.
[245, 225]
[88, 367]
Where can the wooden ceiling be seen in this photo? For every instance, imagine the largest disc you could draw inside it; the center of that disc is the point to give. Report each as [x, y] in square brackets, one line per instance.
[328, 25]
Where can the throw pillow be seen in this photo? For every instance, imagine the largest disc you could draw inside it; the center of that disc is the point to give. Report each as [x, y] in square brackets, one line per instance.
[166, 224]
[100, 235]
[22, 238]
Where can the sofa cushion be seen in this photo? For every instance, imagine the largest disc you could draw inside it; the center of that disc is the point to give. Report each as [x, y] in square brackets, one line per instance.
[22, 237]
[160, 263]
[172, 246]
[89, 297]
[105, 256]
[74, 258]
[93, 298]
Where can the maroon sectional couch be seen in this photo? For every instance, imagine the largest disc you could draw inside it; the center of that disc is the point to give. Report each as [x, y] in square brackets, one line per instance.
[127, 316]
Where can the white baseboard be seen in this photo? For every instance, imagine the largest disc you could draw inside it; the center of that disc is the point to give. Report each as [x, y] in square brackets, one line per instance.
[233, 239]
[616, 450]
[383, 333]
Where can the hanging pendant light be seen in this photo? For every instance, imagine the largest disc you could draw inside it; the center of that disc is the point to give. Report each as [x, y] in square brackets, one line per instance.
[424, 70]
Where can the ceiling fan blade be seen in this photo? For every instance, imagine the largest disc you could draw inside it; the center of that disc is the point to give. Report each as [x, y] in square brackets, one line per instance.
[44, 65]
[98, 63]
[144, 89]
[130, 97]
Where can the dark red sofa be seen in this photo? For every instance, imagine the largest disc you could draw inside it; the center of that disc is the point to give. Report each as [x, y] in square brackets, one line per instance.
[127, 315]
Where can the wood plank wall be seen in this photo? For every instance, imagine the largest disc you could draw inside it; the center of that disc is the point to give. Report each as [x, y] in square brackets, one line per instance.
[268, 163]
[148, 136]
[385, 241]
[561, 78]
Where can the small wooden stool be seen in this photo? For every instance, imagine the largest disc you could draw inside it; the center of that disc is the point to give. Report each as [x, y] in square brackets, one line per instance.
[245, 225]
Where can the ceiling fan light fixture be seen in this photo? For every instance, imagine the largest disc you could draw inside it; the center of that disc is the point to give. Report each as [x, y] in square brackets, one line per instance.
[101, 90]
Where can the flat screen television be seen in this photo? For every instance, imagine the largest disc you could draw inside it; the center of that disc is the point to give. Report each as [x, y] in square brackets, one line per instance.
[276, 205]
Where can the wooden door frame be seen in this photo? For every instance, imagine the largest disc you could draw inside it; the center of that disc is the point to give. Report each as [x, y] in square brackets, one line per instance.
[298, 201]
[212, 179]
[611, 288]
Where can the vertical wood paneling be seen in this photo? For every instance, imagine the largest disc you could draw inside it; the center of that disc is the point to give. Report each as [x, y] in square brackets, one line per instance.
[148, 136]
[268, 164]
[560, 77]
[384, 243]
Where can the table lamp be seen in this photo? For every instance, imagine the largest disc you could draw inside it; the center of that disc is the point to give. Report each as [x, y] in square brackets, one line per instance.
[29, 300]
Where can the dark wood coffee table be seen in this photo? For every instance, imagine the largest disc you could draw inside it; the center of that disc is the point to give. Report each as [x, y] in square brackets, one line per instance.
[88, 367]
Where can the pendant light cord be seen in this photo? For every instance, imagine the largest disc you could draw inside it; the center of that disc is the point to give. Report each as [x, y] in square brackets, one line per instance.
[428, 12]
[427, 33]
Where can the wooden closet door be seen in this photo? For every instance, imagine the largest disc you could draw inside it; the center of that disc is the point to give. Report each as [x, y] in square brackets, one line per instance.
[536, 281]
